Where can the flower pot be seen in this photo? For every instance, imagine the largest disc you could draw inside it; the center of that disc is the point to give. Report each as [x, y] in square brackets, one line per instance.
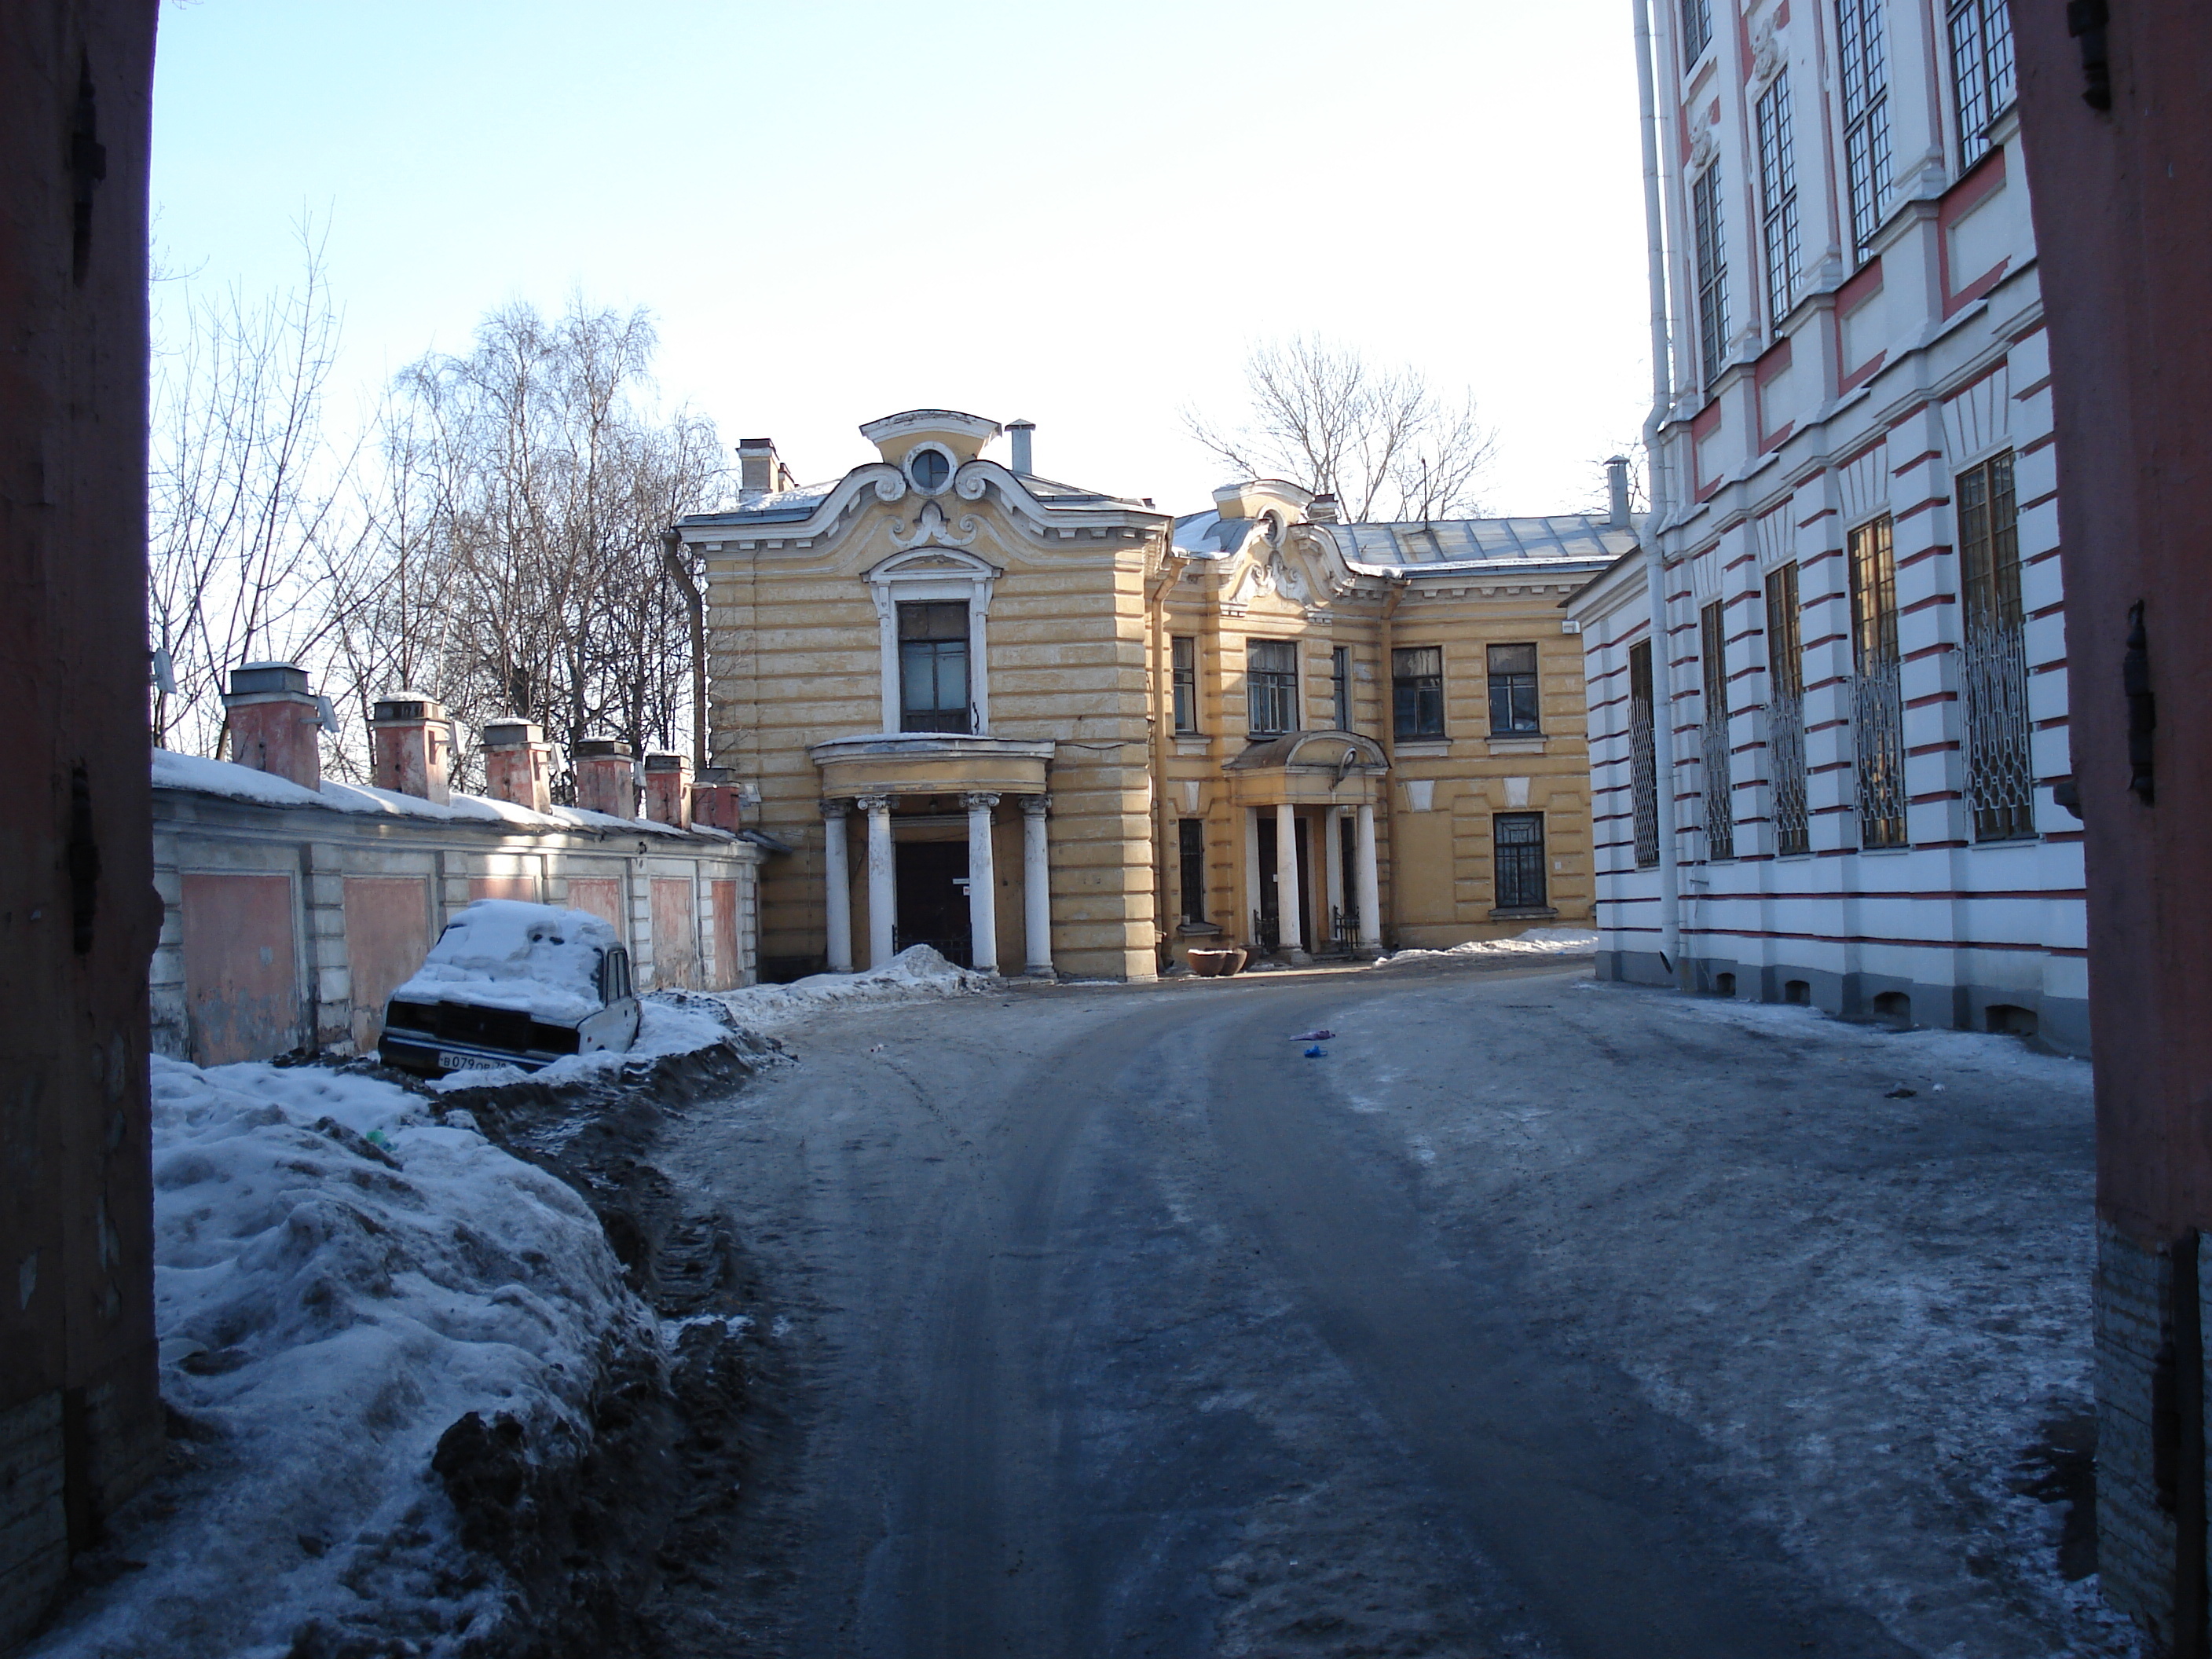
[1215, 964]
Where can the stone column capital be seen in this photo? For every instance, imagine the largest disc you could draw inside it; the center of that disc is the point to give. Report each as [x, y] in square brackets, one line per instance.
[872, 805]
[1035, 806]
[833, 810]
[979, 802]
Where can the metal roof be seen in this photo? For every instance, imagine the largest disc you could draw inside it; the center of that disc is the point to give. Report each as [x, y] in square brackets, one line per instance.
[1575, 538]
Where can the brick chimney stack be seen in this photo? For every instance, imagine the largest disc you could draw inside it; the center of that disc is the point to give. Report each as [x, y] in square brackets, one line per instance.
[668, 789]
[518, 763]
[606, 777]
[412, 746]
[760, 469]
[717, 801]
[276, 723]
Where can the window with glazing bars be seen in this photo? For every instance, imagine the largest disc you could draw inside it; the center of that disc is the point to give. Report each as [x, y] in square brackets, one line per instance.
[1514, 704]
[1778, 199]
[2000, 768]
[1271, 686]
[1877, 703]
[1183, 671]
[932, 640]
[1981, 71]
[1696, 30]
[1866, 117]
[1517, 841]
[1417, 691]
[1785, 712]
[1340, 686]
[1720, 788]
[1190, 844]
[1712, 271]
[1642, 756]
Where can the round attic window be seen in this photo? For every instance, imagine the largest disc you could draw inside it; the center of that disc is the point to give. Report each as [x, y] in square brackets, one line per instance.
[929, 468]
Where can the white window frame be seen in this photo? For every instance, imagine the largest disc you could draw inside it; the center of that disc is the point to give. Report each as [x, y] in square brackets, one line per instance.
[934, 573]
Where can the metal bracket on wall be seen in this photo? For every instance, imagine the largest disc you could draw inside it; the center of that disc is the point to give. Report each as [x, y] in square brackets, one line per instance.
[2142, 708]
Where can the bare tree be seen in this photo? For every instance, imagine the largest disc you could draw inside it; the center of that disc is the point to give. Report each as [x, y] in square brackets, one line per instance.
[1376, 438]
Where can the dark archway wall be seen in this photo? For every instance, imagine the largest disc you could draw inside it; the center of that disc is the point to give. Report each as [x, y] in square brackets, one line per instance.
[2123, 223]
[80, 1415]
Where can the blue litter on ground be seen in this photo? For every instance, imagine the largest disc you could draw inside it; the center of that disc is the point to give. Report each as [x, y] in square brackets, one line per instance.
[1316, 1052]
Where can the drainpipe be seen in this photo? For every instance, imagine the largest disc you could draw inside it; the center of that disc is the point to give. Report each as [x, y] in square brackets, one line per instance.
[694, 612]
[1388, 734]
[1654, 572]
[1162, 688]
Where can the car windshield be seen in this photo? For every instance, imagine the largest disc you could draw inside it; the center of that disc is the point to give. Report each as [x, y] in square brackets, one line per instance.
[499, 953]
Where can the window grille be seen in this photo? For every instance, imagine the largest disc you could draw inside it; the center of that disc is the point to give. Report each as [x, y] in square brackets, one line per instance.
[1778, 196]
[1712, 271]
[1785, 713]
[1720, 790]
[1696, 30]
[1515, 705]
[1417, 691]
[2000, 772]
[1642, 756]
[934, 666]
[1981, 71]
[1517, 843]
[1877, 701]
[1183, 665]
[1191, 847]
[1866, 117]
[1340, 686]
[1271, 686]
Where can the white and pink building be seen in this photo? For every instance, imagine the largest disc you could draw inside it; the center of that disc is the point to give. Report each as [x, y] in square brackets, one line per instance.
[1830, 753]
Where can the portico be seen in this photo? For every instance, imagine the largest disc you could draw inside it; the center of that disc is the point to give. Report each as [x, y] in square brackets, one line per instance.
[916, 790]
[1325, 783]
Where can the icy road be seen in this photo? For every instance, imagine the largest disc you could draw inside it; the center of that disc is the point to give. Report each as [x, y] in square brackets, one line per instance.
[1532, 1317]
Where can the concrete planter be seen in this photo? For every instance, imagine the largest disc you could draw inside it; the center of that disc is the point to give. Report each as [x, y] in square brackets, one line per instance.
[1217, 964]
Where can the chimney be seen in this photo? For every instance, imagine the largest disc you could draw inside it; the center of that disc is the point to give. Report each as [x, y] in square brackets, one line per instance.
[1019, 431]
[518, 763]
[276, 723]
[606, 778]
[1322, 509]
[759, 469]
[410, 746]
[668, 789]
[1616, 483]
[717, 801]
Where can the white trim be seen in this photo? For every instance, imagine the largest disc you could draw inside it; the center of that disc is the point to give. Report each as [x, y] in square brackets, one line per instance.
[934, 573]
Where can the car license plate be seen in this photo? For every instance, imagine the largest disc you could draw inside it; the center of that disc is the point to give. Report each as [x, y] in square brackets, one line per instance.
[450, 1061]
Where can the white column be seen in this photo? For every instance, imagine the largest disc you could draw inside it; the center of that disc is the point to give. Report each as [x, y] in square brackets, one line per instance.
[1287, 881]
[883, 880]
[837, 886]
[982, 895]
[1252, 905]
[1332, 826]
[1037, 890]
[1370, 890]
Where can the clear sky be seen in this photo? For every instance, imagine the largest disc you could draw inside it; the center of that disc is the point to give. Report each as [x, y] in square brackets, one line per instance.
[1082, 214]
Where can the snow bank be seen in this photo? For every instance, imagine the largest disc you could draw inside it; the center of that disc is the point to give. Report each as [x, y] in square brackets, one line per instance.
[339, 1280]
[504, 953]
[1530, 942]
[915, 972]
[666, 1026]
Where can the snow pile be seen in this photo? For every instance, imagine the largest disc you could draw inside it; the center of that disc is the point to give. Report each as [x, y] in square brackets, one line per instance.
[504, 953]
[915, 972]
[1531, 942]
[338, 1280]
[666, 1026]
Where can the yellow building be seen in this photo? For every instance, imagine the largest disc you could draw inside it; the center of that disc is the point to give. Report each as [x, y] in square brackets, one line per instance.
[1047, 729]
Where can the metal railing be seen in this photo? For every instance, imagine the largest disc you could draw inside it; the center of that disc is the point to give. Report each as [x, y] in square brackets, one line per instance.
[1720, 789]
[1878, 738]
[1785, 753]
[2000, 767]
[1644, 784]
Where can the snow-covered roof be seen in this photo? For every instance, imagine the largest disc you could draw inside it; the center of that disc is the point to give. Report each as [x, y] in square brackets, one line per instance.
[1567, 538]
[1207, 535]
[504, 953]
[200, 775]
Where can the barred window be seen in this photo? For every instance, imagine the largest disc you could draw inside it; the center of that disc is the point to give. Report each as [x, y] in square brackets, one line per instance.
[1340, 686]
[1517, 841]
[1981, 71]
[1785, 712]
[1720, 789]
[1866, 118]
[1190, 845]
[1417, 691]
[932, 641]
[2000, 773]
[1271, 686]
[1514, 704]
[1642, 756]
[1778, 199]
[1183, 665]
[1877, 705]
[1712, 271]
[1697, 29]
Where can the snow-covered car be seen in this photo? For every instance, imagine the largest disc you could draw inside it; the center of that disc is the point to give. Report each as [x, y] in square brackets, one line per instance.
[512, 984]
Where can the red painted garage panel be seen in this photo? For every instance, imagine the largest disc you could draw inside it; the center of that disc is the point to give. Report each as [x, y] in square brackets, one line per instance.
[728, 964]
[674, 932]
[241, 987]
[602, 896]
[504, 887]
[387, 922]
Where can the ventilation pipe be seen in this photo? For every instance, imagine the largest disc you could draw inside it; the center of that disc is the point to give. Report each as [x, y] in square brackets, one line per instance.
[1019, 431]
[1616, 488]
